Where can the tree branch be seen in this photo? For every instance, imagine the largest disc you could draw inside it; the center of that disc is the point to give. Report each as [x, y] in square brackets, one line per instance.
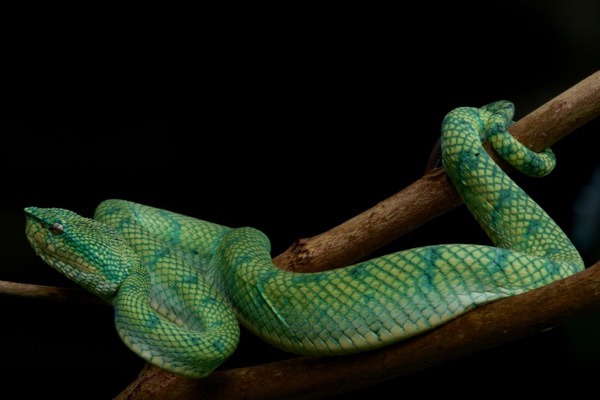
[25, 290]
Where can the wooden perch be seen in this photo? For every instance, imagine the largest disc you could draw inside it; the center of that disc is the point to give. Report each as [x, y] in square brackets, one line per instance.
[52, 293]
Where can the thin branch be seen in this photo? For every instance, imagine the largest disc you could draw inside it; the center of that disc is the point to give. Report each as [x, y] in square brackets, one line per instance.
[318, 377]
[433, 194]
[25, 290]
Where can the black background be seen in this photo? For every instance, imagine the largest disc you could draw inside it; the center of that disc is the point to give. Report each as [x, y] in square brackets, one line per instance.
[291, 121]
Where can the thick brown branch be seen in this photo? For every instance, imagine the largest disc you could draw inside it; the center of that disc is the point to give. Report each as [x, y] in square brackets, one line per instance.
[318, 377]
[433, 194]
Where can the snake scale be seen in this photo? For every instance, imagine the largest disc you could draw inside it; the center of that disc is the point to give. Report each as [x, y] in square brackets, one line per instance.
[181, 286]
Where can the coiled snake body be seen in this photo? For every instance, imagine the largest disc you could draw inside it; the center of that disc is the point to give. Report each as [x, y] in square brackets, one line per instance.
[180, 285]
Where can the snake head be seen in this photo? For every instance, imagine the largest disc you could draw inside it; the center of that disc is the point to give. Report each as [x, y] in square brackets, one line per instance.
[90, 253]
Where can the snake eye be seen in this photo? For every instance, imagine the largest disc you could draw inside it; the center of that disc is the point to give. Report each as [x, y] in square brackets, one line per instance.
[56, 228]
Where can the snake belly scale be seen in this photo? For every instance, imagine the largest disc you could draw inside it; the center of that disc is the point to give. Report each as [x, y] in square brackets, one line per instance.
[180, 285]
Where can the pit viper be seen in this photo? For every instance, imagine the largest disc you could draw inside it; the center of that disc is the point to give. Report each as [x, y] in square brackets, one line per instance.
[180, 286]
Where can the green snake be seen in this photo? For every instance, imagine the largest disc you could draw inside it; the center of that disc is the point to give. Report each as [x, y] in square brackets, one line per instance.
[181, 286]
